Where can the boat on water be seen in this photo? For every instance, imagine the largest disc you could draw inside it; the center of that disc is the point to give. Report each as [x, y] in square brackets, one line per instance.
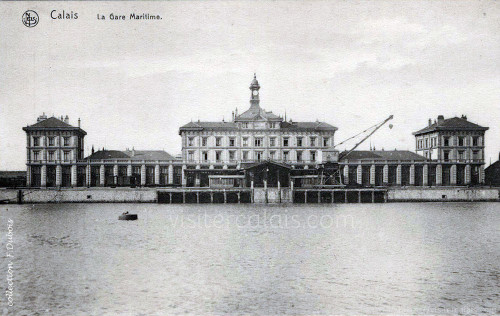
[127, 217]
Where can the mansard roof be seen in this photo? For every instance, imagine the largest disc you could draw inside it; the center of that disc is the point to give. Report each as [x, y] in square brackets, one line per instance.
[231, 126]
[381, 155]
[131, 155]
[52, 123]
[255, 113]
[454, 123]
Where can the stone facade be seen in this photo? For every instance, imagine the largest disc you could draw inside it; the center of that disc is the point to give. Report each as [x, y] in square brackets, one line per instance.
[256, 135]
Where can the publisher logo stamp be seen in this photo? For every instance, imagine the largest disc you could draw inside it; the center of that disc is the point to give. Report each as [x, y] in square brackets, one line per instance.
[30, 18]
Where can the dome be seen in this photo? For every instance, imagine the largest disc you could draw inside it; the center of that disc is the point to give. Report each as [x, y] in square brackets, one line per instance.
[255, 83]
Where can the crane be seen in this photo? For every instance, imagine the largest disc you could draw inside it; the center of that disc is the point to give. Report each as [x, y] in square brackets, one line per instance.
[335, 177]
[375, 128]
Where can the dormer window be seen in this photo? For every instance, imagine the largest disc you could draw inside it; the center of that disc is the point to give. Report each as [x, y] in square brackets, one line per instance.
[272, 125]
[245, 125]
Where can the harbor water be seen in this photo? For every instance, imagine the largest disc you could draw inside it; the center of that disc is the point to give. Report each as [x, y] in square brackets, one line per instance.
[396, 258]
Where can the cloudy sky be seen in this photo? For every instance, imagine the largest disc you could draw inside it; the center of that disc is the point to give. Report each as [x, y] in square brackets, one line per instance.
[351, 64]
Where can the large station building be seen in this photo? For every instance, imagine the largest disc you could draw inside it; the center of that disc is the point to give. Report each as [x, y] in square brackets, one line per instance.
[256, 148]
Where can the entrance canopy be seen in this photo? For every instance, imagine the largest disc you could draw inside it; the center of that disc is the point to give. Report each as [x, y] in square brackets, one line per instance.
[267, 171]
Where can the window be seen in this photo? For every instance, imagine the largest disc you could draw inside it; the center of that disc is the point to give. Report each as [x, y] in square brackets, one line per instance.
[245, 125]
[232, 142]
[325, 141]
[285, 141]
[461, 141]
[204, 156]
[272, 155]
[475, 155]
[191, 156]
[218, 141]
[285, 156]
[259, 141]
[299, 141]
[446, 155]
[36, 141]
[52, 156]
[272, 125]
[66, 156]
[52, 141]
[218, 156]
[136, 170]
[190, 141]
[204, 141]
[36, 155]
[245, 155]
[313, 141]
[299, 156]
[232, 155]
[272, 141]
[461, 155]
[446, 141]
[259, 155]
[475, 141]
[313, 156]
[426, 143]
[245, 141]
[66, 141]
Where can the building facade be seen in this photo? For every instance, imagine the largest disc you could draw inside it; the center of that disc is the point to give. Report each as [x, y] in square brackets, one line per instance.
[53, 148]
[454, 148]
[254, 136]
[256, 149]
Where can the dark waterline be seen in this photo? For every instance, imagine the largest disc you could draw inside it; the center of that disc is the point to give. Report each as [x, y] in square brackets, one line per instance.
[409, 258]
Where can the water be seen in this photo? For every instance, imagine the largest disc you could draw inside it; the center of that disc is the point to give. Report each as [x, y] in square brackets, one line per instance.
[422, 258]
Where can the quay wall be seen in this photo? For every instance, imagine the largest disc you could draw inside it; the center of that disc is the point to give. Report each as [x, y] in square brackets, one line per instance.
[83, 195]
[150, 195]
[442, 194]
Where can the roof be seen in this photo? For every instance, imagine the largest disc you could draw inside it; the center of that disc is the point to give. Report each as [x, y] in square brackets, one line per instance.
[256, 113]
[108, 154]
[264, 163]
[451, 124]
[53, 123]
[493, 166]
[231, 126]
[12, 174]
[149, 155]
[315, 126]
[382, 155]
[131, 155]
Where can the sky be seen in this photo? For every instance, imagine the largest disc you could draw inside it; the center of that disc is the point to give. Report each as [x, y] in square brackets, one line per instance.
[348, 63]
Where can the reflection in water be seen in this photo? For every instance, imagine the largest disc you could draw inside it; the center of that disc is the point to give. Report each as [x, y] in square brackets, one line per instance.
[428, 258]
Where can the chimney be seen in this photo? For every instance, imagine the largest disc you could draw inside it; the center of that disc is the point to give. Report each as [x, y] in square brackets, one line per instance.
[440, 119]
[78, 122]
[41, 117]
[430, 122]
[66, 119]
[133, 152]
